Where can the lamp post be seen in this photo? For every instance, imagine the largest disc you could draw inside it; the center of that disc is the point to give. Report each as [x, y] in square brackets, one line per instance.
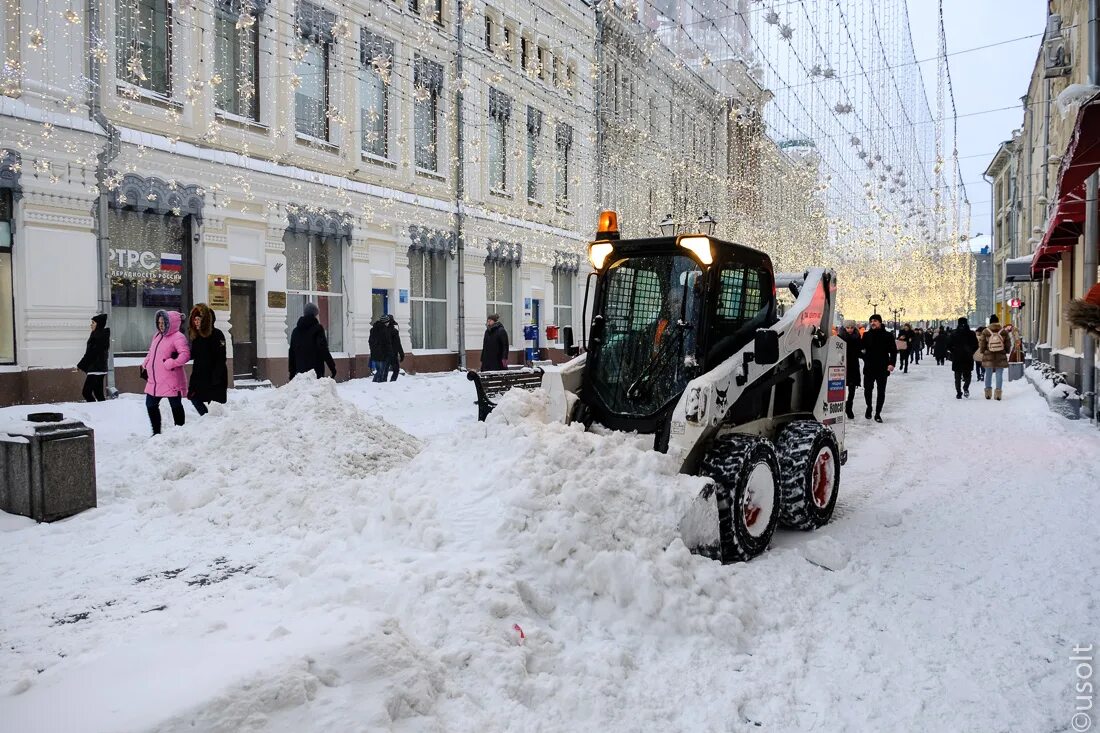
[875, 304]
[707, 224]
[667, 226]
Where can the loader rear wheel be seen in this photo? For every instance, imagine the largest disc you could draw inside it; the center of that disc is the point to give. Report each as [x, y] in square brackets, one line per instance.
[809, 474]
[745, 473]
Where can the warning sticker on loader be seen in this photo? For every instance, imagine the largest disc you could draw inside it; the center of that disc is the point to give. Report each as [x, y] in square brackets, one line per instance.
[836, 384]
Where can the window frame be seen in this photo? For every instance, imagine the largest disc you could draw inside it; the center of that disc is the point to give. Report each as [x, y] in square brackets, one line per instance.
[121, 73]
[562, 153]
[366, 66]
[563, 281]
[312, 292]
[326, 51]
[422, 300]
[498, 304]
[221, 13]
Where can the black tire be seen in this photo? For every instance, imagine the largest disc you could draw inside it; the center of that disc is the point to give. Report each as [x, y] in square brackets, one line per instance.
[744, 531]
[807, 495]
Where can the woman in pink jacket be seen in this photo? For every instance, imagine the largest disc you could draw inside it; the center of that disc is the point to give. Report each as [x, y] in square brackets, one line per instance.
[163, 368]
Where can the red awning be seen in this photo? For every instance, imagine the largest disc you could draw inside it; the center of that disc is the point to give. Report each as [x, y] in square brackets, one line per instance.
[1081, 160]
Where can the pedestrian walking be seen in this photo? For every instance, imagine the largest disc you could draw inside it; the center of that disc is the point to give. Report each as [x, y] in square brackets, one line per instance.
[961, 346]
[917, 343]
[209, 373]
[309, 346]
[994, 344]
[979, 370]
[163, 368]
[397, 352]
[902, 342]
[494, 348]
[381, 346]
[879, 352]
[94, 361]
[853, 346]
[939, 347]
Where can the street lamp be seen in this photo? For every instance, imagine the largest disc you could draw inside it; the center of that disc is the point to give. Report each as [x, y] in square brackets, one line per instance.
[707, 223]
[667, 226]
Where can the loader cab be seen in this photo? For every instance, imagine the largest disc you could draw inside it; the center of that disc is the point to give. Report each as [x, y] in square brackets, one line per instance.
[667, 309]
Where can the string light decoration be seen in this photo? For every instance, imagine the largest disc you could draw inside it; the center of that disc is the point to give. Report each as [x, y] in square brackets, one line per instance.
[803, 126]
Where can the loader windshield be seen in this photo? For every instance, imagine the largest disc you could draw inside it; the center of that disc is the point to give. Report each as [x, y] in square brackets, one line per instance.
[651, 312]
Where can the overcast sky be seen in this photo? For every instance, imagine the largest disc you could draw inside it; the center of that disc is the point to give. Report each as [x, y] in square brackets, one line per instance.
[983, 80]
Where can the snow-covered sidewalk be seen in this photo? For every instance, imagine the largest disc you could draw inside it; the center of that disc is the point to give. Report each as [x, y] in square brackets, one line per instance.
[368, 557]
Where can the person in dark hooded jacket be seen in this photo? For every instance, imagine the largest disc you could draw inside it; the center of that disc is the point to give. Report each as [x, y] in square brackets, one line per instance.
[939, 346]
[397, 352]
[853, 342]
[880, 355]
[381, 348]
[309, 346]
[961, 345]
[494, 348]
[209, 373]
[94, 361]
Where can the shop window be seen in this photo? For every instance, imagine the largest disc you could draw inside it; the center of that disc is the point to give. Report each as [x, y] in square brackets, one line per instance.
[498, 290]
[315, 273]
[7, 281]
[428, 298]
[236, 60]
[150, 269]
[143, 39]
[563, 301]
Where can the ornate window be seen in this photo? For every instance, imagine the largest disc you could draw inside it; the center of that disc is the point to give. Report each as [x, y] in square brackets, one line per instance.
[149, 261]
[534, 132]
[314, 247]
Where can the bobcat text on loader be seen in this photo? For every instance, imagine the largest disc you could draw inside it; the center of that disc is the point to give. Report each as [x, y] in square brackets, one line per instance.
[685, 344]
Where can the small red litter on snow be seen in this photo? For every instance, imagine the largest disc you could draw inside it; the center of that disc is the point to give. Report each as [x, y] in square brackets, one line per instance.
[518, 628]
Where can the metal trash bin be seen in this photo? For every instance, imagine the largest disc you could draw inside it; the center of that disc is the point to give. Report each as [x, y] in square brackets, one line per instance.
[1015, 371]
[47, 467]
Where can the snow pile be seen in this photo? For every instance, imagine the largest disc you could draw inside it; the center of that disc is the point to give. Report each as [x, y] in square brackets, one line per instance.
[1051, 384]
[1073, 96]
[290, 456]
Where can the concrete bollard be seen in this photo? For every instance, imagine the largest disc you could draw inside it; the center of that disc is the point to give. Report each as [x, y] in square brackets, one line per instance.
[47, 467]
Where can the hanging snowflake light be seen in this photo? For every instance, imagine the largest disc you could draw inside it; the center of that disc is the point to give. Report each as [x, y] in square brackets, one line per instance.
[786, 32]
[72, 16]
[815, 71]
[36, 40]
[843, 108]
[771, 17]
[829, 73]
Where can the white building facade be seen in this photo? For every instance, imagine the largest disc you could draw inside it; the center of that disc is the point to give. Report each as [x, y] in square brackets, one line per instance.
[259, 155]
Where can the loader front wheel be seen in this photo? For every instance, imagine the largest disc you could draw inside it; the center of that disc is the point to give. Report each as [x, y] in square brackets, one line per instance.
[745, 472]
[809, 478]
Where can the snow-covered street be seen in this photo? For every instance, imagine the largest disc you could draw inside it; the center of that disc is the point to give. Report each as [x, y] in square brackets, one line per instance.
[369, 557]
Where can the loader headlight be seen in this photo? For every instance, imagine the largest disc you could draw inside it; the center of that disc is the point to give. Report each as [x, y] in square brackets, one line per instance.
[598, 252]
[699, 246]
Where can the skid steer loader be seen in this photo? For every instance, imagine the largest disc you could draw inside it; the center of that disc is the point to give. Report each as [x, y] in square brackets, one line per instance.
[685, 343]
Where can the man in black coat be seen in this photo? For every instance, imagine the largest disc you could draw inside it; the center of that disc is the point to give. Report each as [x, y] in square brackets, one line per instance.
[309, 346]
[381, 348]
[880, 354]
[961, 345]
[494, 349]
[853, 346]
[94, 361]
[397, 352]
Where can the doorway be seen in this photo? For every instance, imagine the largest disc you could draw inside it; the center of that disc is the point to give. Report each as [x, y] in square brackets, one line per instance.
[242, 295]
[380, 304]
